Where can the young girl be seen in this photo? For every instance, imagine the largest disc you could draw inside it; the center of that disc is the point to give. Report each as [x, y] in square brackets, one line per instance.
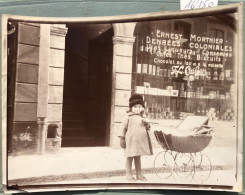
[134, 137]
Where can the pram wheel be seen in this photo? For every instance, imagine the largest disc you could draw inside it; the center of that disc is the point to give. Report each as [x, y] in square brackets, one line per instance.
[184, 165]
[203, 166]
[164, 164]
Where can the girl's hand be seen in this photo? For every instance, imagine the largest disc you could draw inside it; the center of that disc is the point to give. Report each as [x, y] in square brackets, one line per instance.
[146, 122]
[148, 126]
[122, 142]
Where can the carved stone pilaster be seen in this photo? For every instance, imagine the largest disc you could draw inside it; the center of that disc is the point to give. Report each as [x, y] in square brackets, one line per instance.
[58, 30]
[123, 40]
[42, 129]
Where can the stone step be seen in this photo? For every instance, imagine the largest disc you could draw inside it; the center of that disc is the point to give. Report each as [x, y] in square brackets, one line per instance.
[68, 108]
[77, 137]
[72, 115]
[77, 141]
[71, 132]
[73, 123]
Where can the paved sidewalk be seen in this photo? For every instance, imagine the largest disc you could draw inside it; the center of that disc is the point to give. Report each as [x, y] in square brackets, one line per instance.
[92, 164]
[217, 177]
[98, 164]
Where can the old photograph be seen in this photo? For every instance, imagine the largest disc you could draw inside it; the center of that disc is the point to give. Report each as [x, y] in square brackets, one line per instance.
[138, 101]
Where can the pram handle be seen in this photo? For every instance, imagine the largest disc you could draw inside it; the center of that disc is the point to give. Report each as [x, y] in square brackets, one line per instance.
[204, 132]
[198, 128]
[154, 123]
[207, 126]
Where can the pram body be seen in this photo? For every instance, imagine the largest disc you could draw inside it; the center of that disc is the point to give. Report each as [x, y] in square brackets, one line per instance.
[185, 151]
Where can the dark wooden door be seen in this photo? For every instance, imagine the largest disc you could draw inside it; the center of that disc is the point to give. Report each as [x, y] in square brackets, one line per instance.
[100, 87]
[87, 88]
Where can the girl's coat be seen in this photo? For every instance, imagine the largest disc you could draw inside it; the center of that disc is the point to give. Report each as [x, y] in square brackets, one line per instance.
[136, 136]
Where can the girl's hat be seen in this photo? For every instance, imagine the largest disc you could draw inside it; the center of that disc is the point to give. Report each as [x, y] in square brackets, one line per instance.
[136, 99]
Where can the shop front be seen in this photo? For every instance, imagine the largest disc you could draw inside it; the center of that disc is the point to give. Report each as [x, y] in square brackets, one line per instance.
[186, 67]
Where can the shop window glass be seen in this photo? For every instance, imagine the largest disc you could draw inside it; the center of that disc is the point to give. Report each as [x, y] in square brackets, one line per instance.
[180, 72]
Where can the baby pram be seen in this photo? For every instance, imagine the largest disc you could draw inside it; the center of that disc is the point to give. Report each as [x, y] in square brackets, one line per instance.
[182, 152]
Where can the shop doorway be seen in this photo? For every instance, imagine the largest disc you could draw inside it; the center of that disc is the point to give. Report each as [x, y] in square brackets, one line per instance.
[87, 85]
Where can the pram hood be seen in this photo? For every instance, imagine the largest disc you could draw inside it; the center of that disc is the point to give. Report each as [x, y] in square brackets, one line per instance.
[191, 122]
[189, 126]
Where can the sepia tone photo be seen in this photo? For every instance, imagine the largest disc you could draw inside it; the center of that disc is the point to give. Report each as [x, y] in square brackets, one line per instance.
[138, 101]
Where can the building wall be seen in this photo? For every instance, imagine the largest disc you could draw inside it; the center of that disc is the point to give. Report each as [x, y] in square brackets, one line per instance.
[29, 84]
[39, 92]
[25, 103]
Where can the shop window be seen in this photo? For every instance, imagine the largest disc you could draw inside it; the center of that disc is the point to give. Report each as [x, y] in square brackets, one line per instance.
[219, 35]
[180, 72]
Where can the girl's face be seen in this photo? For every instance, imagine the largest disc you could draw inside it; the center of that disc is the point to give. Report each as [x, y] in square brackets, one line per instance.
[138, 108]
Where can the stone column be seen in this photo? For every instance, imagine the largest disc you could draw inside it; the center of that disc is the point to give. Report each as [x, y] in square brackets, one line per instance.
[56, 83]
[50, 81]
[123, 41]
[42, 94]
[42, 128]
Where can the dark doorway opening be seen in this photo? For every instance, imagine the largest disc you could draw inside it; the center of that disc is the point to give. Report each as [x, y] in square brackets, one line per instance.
[87, 85]
[12, 41]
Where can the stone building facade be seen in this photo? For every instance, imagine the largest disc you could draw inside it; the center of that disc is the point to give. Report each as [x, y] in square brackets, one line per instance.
[36, 79]
[69, 85]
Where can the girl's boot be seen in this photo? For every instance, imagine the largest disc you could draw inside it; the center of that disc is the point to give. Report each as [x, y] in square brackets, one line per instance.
[137, 163]
[129, 173]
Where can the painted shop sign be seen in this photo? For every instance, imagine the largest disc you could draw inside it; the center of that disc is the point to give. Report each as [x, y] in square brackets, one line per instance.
[191, 55]
[188, 70]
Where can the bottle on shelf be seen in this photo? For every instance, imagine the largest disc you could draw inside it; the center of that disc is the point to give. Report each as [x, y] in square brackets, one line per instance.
[208, 77]
[153, 70]
[165, 73]
[228, 74]
[150, 69]
[182, 90]
[149, 112]
[222, 76]
[198, 111]
[197, 77]
[160, 72]
[218, 114]
[197, 92]
[232, 75]
[215, 76]
[201, 92]
[144, 68]
[157, 70]
[139, 68]
[169, 73]
[217, 94]
[203, 112]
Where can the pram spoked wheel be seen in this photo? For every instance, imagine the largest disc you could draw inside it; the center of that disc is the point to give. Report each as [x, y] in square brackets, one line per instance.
[164, 164]
[184, 165]
[203, 166]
